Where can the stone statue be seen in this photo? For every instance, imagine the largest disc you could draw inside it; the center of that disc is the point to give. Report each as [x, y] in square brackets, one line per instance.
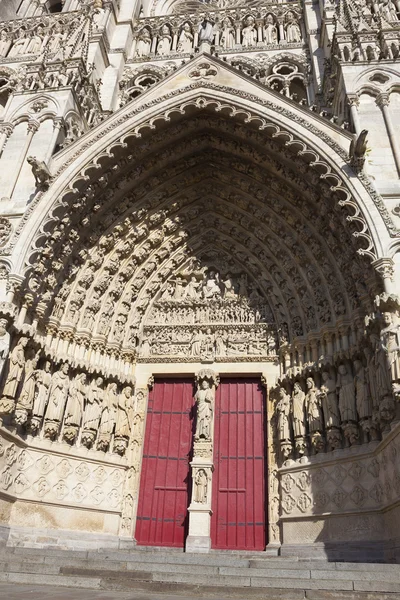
[75, 407]
[227, 39]
[91, 416]
[347, 396]
[16, 364]
[382, 375]
[185, 43]
[4, 343]
[363, 398]
[205, 405]
[5, 43]
[249, 33]
[191, 290]
[298, 405]
[144, 43]
[206, 31]
[58, 392]
[108, 415]
[201, 487]
[211, 287]
[165, 41]
[293, 33]
[43, 380]
[313, 407]
[196, 343]
[19, 44]
[40, 172]
[329, 401]
[270, 31]
[283, 411]
[25, 398]
[390, 336]
[125, 413]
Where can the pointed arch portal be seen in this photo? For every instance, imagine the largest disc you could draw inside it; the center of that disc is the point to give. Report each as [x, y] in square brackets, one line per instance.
[195, 228]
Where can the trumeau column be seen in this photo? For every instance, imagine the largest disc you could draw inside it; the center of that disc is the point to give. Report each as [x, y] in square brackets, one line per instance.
[134, 455]
[199, 538]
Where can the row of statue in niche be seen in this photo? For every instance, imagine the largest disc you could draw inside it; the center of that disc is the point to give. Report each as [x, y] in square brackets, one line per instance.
[209, 343]
[226, 35]
[338, 406]
[61, 404]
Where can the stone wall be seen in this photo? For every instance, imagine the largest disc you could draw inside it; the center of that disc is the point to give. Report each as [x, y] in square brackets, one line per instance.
[345, 504]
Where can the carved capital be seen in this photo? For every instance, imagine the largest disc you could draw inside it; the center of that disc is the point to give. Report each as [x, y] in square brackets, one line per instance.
[385, 267]
[383, 99]
[353, 100]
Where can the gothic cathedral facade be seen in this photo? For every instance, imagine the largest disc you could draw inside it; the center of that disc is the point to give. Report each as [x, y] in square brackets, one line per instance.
[199, 275]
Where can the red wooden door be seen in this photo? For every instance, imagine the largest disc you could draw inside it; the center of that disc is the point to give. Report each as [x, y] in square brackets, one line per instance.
[164, 484]
[238, 521]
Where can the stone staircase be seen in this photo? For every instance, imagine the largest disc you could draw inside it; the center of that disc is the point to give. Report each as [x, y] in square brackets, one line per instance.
[233, 575]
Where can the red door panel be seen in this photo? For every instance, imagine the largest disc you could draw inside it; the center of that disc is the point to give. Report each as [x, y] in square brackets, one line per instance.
[239, 505]
[164, 483]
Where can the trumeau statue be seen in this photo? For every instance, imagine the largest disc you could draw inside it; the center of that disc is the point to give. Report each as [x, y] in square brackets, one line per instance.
[201, 487]
[205, 407]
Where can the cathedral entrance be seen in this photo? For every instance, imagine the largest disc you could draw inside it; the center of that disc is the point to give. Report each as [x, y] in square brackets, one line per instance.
[165, 480]
[238, 521]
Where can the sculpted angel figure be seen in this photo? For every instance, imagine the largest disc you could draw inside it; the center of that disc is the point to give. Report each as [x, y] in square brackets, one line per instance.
[204, 400]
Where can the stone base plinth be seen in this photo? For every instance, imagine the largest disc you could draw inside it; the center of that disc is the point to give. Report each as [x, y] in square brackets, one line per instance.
[198, 544]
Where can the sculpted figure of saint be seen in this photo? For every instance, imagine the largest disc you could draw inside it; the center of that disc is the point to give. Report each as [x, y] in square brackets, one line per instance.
[249, 33]
[165, 41]
[14, 375]
[329, 401]
[43, 378]
[347, 394]
[201, 485]
[4, 343]
[75, 405]
[270, 32]
[144, 43]
[125, 413]
[185, 43]
[298, 404]
[58, 394]
[313, 407]
[293, 33]
[227, 39]
[283, 411]
[390, 336]
[363, 398]
[204, 400]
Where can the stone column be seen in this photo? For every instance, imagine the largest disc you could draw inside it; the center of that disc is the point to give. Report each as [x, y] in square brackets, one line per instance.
[57, 124]
[134, 455]
[199, 537]
[33, 126]
[383, 102]
[354, 102]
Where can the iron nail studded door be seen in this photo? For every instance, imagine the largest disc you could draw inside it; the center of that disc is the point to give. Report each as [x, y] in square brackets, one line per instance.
[239, 509]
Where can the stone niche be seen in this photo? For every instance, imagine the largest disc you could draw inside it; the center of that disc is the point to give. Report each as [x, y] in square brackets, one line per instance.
[344, 505]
